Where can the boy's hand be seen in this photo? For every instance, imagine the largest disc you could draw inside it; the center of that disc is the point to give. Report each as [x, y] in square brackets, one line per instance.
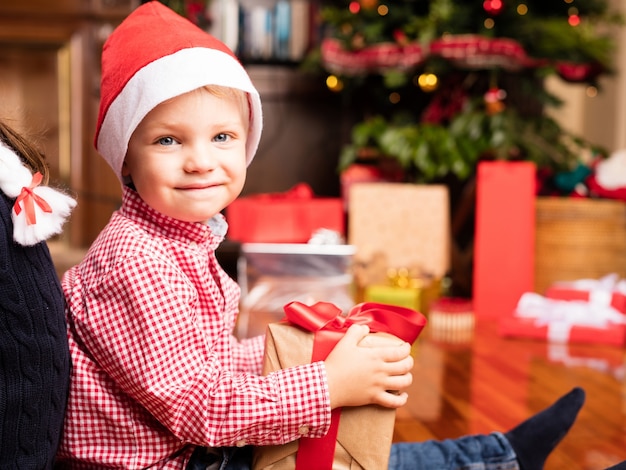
[368, 375]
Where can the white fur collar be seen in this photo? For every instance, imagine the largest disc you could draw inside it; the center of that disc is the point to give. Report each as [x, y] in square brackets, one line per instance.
[48, 207]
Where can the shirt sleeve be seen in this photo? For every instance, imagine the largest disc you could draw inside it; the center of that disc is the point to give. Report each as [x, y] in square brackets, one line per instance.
[248, 354]
[140, 325]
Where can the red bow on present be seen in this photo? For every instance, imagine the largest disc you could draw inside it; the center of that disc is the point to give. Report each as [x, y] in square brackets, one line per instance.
[328, 324]
[28, 198]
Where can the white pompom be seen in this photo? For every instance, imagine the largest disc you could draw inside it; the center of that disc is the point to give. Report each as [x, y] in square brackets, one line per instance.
[47, 223]
[14, 177]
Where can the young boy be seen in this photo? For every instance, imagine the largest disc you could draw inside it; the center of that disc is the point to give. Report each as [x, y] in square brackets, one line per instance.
[158, 380]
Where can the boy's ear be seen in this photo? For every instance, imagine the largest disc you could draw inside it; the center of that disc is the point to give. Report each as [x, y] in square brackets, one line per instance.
[125, 170]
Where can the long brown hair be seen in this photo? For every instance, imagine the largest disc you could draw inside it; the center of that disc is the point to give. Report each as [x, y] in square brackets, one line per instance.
[30, 156]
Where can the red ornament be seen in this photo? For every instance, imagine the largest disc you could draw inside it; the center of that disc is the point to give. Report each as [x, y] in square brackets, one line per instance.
[576, 73]
[196, 11]
[494, 100]
[493, 7]
[369, 4]
[400, 37]
[573, 20]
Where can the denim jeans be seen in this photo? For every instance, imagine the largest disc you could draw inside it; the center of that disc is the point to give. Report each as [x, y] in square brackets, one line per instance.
[476, 452]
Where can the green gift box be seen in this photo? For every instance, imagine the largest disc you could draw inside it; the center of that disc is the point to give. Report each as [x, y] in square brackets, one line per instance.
[404, 290]
[409, 297]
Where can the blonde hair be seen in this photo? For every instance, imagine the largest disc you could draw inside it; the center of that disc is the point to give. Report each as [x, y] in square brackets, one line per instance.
[239, 96]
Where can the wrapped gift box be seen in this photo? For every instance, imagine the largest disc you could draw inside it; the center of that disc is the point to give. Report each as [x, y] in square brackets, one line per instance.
[273, 274]
[290, 217]
[409, 297]
[605, 291]
[617, 300]
[367, 173]
[406, 224]
[518, 327]
[414, 292]
[564, 321]
[365, 433]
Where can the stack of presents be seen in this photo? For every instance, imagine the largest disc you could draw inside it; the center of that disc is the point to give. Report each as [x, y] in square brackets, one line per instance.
[545, 269]
[309, 266]
[389, 243]
[296, 246]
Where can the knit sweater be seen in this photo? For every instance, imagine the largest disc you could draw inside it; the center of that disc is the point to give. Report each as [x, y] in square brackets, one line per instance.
[34, 354]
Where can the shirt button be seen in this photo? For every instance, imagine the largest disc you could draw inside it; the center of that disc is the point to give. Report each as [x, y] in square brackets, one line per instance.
[304, 429]
[192, 244]
[240, 443]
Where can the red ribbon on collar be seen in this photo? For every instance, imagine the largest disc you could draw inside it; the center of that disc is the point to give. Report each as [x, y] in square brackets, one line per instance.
[28, 199]
[328, 324]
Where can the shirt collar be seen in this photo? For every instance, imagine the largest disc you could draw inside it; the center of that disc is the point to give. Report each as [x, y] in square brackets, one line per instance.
[135, 208]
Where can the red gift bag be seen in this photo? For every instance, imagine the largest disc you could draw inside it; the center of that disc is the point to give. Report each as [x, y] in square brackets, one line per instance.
[505, 236]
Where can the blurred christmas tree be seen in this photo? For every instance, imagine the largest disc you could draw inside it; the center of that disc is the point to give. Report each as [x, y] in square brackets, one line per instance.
[432, 87]
[194, 10]
[440, 84]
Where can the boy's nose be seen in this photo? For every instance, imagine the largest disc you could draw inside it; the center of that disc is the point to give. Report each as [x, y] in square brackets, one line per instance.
[200, 158]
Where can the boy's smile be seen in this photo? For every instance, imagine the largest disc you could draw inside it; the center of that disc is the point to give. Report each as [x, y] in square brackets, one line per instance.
[187, 158]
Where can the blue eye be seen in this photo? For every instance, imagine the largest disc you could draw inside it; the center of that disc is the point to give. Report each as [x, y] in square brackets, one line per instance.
[166, 141]
[221, 137]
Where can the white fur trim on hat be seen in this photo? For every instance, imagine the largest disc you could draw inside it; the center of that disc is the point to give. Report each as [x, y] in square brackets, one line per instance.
[14, 177]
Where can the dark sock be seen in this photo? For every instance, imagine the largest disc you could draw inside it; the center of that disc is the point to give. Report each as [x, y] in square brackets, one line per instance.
[619, 466]
[535, 438]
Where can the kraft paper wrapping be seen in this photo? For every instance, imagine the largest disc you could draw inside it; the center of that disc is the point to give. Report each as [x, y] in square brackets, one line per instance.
[406, 224]
[365, 433]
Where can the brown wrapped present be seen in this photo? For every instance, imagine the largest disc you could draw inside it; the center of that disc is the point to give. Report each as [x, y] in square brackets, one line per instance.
[409, 224]
[365, 433]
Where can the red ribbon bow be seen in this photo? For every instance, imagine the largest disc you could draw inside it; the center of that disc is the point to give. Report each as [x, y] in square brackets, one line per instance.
[28, 198]
[328, 324]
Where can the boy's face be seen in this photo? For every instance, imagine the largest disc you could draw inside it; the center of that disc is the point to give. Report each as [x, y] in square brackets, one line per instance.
[187, 158]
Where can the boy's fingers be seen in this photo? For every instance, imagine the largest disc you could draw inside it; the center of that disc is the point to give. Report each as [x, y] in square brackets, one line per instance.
[357, 332]
[400, 368]
[392, 400]
[399, 382]
[396, 353]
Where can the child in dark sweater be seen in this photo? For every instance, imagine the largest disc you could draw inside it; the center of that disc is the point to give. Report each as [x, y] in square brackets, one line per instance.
[34, 354]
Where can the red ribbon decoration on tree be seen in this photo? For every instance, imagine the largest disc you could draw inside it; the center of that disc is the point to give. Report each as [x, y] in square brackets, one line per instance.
[28, 198]
[329, 325]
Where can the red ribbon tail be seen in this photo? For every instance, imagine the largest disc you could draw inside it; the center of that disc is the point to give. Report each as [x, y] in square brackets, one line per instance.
[319, 453]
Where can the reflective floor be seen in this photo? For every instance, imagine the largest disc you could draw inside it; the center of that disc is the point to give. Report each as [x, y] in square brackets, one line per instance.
[489, 383]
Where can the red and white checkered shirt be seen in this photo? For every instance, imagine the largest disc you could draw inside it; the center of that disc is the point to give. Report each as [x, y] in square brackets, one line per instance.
[156, 369]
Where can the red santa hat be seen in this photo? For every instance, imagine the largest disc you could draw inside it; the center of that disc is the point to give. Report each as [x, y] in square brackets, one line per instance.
[152, 56]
